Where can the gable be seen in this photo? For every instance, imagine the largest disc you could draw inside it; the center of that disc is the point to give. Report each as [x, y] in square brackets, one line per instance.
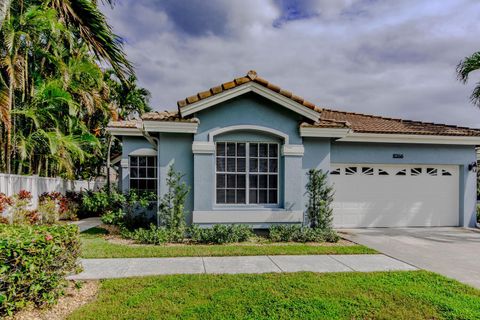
[249, 110]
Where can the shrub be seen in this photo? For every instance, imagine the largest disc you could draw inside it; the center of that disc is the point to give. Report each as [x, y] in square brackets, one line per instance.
[48, 210]
[19, 209]
[283, 233]
[478, 213]
[154, 235]
[113, 217]
[33, 263]
[220, 234]
[171, 213]
[95, 203]
[320, 198]
[296, 233]
[132, 212]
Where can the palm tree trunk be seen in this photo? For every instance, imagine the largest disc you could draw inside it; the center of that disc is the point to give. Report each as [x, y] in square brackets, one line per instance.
[4, 7]
[8, 124]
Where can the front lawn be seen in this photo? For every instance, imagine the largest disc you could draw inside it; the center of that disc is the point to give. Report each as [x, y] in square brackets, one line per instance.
[382, 295]
[95, 245]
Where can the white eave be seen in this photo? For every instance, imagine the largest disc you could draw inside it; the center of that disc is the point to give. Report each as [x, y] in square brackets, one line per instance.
[170, 126]
[124, 131]
[410, 138]
[250, 87]
[348, 135]
[323, 132]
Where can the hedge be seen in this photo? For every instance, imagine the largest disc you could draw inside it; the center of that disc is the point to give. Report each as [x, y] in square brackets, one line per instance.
[34, 261]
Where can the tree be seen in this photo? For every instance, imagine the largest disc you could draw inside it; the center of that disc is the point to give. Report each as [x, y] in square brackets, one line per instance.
[56, 98]
[464, 68]
[320, 198]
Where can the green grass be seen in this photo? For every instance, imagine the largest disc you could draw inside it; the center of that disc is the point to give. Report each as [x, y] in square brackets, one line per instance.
[94, 245]
[382, 295]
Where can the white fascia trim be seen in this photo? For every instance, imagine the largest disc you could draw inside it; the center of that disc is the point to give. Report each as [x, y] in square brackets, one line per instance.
[274, 132]
[247, 217]
[203, 147]
[124, 131]
[143, 152]
[170, 126]
[323, 132]
[124, 163]
[410, 138]
[293, 150]
[250, 87]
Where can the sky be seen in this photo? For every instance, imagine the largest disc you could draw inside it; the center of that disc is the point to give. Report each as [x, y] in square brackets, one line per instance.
[389, 58]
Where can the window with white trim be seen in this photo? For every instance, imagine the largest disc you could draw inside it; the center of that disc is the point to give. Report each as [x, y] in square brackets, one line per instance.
[143, 173]
[246, 173]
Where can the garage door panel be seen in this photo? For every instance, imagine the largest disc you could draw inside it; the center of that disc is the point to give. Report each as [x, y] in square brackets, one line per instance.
[375, 196]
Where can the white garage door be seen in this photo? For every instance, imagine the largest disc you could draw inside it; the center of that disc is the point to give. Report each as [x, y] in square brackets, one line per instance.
[395, 195]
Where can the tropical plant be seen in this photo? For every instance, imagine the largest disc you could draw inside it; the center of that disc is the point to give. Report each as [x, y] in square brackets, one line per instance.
[55, 98]
[171, 212]
[320, 198]
[464, 68]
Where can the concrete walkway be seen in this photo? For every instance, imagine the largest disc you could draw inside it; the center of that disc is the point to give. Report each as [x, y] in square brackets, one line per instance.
[122, 268]
[87, 223]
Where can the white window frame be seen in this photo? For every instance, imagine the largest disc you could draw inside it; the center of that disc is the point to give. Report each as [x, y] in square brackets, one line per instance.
[247, 176]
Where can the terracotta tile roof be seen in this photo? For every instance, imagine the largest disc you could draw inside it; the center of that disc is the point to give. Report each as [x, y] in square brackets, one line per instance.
[375, 124]
[328, 118]
[250, 77]
[123, 124]
[166, 116]
[327, 123]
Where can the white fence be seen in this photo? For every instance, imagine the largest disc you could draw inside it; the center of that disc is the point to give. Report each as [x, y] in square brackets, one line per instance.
[11, 184]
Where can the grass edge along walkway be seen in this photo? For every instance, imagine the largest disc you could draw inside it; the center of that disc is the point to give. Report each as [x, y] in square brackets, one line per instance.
[94, 245]
[379, 295]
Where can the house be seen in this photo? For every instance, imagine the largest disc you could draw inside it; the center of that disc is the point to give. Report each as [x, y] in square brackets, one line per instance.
[246, 145]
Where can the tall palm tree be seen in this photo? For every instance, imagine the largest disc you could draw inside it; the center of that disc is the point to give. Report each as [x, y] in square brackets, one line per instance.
[464, 69]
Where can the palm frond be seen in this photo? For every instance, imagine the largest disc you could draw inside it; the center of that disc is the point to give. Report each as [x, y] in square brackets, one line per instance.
[468, 65]
[84, 16]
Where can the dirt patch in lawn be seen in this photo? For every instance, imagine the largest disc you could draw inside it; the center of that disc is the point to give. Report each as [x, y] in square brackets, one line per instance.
[73, 299]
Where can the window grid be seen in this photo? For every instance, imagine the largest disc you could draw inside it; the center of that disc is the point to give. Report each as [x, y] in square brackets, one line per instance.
[246, 173]
[143, 173]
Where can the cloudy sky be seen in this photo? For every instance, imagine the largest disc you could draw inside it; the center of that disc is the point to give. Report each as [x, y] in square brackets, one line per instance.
[391, 58]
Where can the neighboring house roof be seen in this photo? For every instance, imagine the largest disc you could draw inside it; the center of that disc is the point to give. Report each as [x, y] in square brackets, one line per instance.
[123, 124]
[166, 116]
[356, 122]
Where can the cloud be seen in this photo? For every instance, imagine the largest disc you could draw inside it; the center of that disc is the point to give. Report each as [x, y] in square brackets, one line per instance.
[388, 58]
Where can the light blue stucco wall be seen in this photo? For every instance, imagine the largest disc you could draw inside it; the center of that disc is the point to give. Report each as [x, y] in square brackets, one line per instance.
[249, 109]
[382, 153]
[176, 149]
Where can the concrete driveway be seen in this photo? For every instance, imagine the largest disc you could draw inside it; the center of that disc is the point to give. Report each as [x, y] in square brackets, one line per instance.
[452, 252]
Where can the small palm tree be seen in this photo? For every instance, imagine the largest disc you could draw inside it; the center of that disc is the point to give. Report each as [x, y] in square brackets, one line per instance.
[464, 68]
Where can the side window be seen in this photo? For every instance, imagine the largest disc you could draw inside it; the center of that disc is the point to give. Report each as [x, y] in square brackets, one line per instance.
[143, 173]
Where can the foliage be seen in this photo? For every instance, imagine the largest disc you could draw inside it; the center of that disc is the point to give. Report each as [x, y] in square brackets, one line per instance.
[33, 263]
[297, 233]
[54, 206]
[320, 198]
[95, 203]
[155, 235]
[113, 217]
[122, 209]
[478, 213]
[55, 96]
[171, 213]
[413, 295]
[221, 234]
[464, 68]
